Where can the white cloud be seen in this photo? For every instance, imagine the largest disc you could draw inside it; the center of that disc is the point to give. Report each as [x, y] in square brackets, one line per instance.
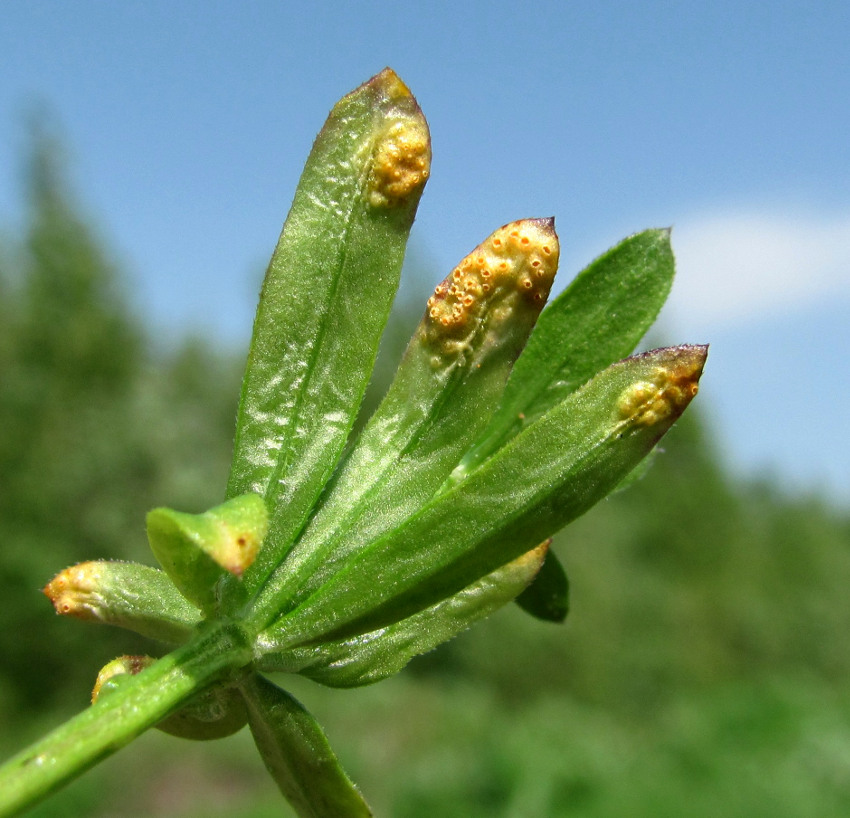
[739, 266]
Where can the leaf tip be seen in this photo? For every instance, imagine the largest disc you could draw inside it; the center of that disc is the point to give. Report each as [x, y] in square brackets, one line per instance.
[243, 524]
[516, 264]
[665, 394]
[73, 591]
[390, 85]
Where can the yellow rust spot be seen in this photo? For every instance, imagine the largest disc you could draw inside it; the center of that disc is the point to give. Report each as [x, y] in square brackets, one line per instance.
[237, 549]
[401, 164]
[73, 591]
[533, 560]
[665, 393]
[517, 263]
[122, 666]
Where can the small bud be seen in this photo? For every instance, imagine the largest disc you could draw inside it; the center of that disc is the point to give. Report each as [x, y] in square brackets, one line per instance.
[216, 713]
[112, 673]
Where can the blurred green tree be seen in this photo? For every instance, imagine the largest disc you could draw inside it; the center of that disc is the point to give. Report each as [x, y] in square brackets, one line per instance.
[96, 426]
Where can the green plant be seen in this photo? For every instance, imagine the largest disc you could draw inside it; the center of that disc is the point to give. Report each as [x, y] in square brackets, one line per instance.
[341, 560]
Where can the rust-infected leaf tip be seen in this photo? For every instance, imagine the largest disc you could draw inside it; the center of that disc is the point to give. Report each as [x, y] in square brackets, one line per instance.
[520, 258]
[401, 156]
[73, 591]
[237, 547]
[672, 385]
[386, 84]
[534, 559]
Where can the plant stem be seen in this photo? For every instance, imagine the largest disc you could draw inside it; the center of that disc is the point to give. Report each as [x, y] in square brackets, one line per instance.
[116, 719]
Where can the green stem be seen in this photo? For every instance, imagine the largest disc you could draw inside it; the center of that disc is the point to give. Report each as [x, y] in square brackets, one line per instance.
[116, 719]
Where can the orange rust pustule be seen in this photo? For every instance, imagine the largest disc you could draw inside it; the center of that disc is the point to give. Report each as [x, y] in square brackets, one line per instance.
[520, 258]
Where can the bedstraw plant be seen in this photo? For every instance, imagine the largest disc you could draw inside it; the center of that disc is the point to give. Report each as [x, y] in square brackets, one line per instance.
[339, 558]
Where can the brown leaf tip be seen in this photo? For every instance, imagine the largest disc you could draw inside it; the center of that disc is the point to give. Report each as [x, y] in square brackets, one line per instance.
[667, 391]
[532, 561]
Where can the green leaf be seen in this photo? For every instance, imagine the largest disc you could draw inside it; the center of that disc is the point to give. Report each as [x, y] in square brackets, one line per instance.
[450, 378]
[552, 472]
[298, 756]
[596, 321]
[547, 597]
[198, 550]
[373, 656]
[324, 303]
[212, 714]
[126, 594]
[638, 472]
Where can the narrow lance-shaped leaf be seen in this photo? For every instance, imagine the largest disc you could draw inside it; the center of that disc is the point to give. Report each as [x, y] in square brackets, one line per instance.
[126, 594]
[198, 550]
[298, 756]
[552, 472]
[373, 656]
[596, 321]
[325, 301]
[450, 378]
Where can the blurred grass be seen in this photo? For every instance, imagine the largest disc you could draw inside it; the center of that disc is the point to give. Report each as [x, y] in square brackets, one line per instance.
[703, 669]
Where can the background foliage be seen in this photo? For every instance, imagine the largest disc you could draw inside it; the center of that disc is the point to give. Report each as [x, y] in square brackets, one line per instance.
[703, 668]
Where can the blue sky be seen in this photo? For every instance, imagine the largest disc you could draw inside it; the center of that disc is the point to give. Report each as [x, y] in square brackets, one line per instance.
[187, 124]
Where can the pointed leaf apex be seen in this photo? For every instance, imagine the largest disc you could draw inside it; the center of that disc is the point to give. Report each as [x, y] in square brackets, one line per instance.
[533, 560]
[390, 84]
[671, 387]
[547, 596]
